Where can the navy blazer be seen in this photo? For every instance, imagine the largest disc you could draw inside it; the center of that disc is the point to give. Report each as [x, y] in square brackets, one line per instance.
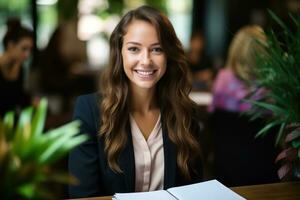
[88, 162]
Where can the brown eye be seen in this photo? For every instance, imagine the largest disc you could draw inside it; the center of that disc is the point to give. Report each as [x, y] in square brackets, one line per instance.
[157, 50]
[133, 49]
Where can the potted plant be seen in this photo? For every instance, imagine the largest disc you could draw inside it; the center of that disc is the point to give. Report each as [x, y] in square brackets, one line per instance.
[278, 73]
[26, 153]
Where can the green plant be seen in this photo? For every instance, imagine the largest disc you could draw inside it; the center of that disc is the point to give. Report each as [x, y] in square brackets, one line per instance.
[278, 73]
[26, 153]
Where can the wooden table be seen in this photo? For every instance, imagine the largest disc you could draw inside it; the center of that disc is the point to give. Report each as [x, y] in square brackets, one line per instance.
[274, 191]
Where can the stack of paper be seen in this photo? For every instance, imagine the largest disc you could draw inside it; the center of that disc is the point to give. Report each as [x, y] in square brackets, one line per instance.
[208, 190]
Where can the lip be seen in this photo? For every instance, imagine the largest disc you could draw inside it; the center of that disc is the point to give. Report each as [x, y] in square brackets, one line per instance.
[145, 74]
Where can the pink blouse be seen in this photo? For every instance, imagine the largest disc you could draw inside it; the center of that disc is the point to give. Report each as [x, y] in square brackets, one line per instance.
[229, 92]
[149, 158]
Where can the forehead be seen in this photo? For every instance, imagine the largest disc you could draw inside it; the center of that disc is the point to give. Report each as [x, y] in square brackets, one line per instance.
[26, 41]
[139, 30]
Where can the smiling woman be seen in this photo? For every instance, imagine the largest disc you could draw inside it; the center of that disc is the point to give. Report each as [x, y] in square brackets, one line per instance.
[143, 127]
[144, 60]
[18, 42]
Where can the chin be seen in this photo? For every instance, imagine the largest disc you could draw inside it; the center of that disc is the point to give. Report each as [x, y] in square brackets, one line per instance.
[145, 85]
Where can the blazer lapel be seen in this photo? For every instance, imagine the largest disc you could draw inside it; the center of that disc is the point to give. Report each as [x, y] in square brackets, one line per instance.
[127, 162]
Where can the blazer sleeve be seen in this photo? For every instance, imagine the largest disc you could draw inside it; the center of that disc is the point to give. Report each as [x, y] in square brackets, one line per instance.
[84, 159]
[197, 173]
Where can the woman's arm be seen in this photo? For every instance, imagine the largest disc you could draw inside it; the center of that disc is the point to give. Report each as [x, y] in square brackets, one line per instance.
[84, 159]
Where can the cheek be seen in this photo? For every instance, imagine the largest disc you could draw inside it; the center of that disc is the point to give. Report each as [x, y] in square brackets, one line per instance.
[126, 63]
[23, 55]
[20, 52]
[128, 60]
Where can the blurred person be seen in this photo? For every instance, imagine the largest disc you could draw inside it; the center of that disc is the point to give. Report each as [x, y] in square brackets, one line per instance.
[55, 65]
[234, 82]
[143, 128]
[240, 158]
[199, 63]
[18, 43]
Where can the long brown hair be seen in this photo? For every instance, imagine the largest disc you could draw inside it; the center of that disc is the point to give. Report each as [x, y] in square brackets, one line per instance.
[172, 92]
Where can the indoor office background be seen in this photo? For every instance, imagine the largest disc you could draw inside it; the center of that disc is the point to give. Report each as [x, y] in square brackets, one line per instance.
[71, 48]
[81, 28]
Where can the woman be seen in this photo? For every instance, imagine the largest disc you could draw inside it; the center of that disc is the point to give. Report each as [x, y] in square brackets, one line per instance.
[236, 80]
[147, 135]
[240, 158]
[17, 42]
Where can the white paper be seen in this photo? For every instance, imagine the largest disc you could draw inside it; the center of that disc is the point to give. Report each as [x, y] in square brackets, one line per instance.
[208, 190]
[153, 195]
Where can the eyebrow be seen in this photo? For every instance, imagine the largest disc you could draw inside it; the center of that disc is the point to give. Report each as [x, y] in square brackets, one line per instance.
[136, 43]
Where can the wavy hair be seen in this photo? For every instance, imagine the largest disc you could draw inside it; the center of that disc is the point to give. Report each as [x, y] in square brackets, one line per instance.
[248, 42]
[178, 111]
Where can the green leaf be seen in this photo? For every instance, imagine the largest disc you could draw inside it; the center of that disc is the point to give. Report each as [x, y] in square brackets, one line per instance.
[264, 130]
[8, 124]
[296, 143]
[26, 158]
[23, 130]
[55, 133]
[38, 121]
[65, 135]
[28, 190]
[275, 109]
[280, 133]
[280, 22]
[67, 147]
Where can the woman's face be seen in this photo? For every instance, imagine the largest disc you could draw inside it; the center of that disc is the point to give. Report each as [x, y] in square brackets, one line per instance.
[21, 50]
[144, 60]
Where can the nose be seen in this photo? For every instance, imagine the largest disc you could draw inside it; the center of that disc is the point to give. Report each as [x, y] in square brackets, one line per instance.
[145, 57]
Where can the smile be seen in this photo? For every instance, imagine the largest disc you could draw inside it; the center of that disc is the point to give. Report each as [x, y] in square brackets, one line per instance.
[145, 73]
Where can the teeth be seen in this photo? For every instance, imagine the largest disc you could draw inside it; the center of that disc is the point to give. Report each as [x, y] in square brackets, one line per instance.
[145, 73]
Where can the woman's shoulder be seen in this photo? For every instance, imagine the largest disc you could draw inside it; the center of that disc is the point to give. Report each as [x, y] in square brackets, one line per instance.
[225, 74]
[87, 110]
[227, 82]
[90, 99]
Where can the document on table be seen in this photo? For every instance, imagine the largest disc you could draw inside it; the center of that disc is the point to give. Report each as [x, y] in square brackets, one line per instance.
[208, 190]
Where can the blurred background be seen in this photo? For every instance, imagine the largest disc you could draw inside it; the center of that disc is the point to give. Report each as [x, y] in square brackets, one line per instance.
[71, 39]
[71, 48]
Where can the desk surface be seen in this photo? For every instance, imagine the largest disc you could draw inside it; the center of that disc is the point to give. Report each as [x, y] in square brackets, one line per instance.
[274, 191]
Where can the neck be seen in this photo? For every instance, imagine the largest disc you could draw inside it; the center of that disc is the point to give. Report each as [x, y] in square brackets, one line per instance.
[9, 67]
[142, 100]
